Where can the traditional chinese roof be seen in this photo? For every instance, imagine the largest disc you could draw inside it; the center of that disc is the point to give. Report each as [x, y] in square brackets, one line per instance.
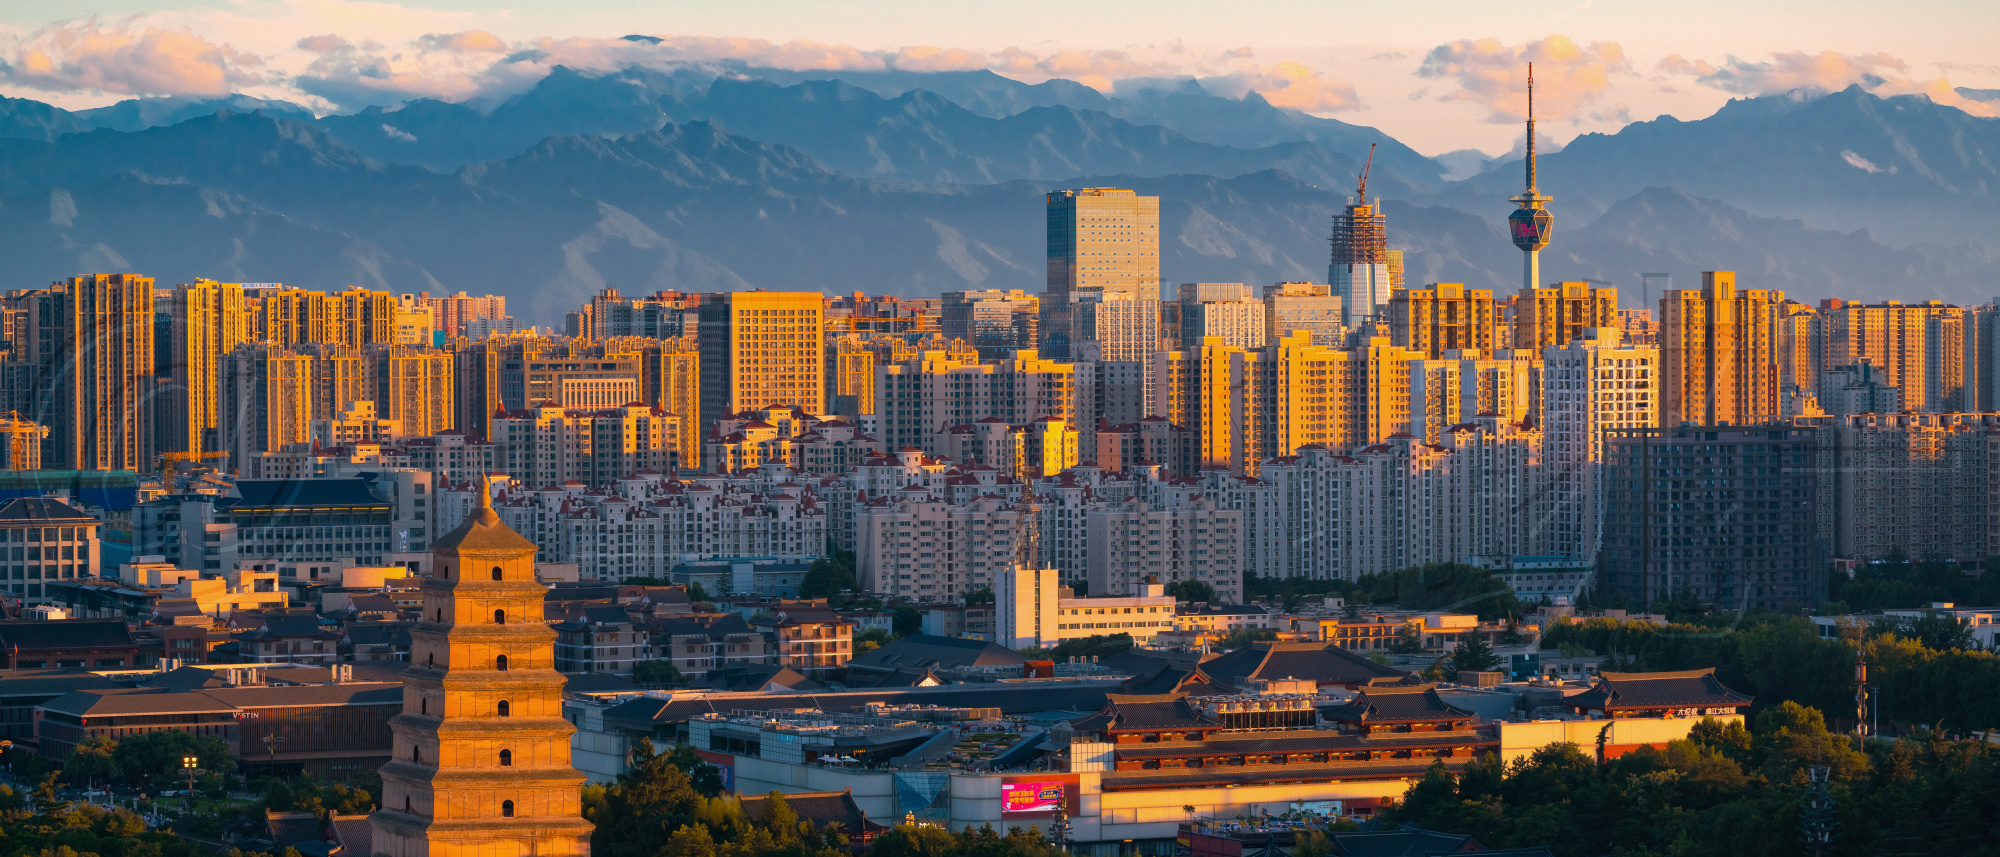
[1396, 703]
[1683, 689]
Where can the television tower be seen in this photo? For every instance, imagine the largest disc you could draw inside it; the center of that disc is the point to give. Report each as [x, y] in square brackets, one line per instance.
[1531, 224]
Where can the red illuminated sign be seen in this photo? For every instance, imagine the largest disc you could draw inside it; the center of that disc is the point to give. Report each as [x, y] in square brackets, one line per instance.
[1030, 797]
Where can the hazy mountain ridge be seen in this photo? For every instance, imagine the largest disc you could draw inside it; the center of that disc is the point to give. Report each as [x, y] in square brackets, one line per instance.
[1904, 168]
[691, 206]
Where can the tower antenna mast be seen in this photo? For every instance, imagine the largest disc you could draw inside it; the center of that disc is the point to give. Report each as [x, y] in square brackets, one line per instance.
[1361, 193]
[1531, 130]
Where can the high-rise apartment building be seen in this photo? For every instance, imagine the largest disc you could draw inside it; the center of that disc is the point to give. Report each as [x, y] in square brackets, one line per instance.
[90, 343]
[266, 401]
[1725, 513]
[1456, 389]
[997, 322]
[1443, 317]
[1592, 386]
[1380, 391]
[1917, 348]
[1115, 328]
[917, 402]
[1103, 246]
[923, 548]
[450, 314]
[1223, 310]
[415, 387]
[1303, 306]
[1718, 348]
[1133, 543]
[1311, 404]
[759, 349]
[1558, 314]
[550, 445]
[1920, 485]
[208, 322]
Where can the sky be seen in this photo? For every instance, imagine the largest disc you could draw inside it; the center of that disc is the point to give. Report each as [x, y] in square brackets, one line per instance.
[1440, 75]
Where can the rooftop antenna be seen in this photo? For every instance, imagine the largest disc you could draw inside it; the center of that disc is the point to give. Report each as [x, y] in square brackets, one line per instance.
[1361, 193]
[1531, 129]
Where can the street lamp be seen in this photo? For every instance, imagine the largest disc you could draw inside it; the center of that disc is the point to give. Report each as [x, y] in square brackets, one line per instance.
[190, 765]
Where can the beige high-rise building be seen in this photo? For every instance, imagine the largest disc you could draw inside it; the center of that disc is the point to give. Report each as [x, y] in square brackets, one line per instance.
[1558, 314]
[481, 759]
[1593, 384]
[208, 322]
[1313, 406]
[850, 376]
[266, 401]
[917, 402]
[358, 317]
[415, 387]
[1381, 388]
[1456, 390]
[1103, 244]
[1718, 350]
[90, 342]
[1917, 348]
[673, 383]
[1303, 306]
[1443, 317]
[759, 349]
[293, 317]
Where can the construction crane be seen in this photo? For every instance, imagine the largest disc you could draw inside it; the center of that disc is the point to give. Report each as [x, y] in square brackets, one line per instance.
[1361, 193]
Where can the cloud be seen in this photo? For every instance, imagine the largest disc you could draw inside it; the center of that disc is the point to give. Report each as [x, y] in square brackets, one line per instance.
[1826, 71]
[396, 133]
[127, 59]
[1568, 77]
[470, 41]
[1288, 84]
[322, 44]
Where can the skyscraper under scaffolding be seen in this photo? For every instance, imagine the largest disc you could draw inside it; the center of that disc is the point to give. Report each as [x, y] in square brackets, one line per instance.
[1364, 269]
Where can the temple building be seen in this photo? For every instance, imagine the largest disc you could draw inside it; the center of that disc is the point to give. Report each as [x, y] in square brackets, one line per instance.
[481, 764]
[1688, 693]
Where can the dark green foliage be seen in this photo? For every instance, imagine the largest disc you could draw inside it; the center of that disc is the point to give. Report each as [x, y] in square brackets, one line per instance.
[1102, 646]
[1474, 655]
[1778, 658]
[1900, 583]
[1191, 592]
[979, 595]
[907, 620]
[1245, 636]
[830, 575]
[655, 673]
[51, 827]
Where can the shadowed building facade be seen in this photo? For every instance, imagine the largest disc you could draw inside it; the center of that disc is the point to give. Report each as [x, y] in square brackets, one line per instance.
[481, 765]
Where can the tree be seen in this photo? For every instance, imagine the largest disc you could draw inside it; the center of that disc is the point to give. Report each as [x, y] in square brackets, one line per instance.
[979, 595]
[1242, 637]
[830, 575]
[649, 802]
[1474, 655]
[1409, 640]
[91, 762]
[1191, 591]
[691, 840]
[906, 620]
[1938, 631]
[655, 673]
[696, 593]
[870, 640]
[154, 758]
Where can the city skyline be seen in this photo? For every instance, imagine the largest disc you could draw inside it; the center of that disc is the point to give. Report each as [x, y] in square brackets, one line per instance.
[1440, 89]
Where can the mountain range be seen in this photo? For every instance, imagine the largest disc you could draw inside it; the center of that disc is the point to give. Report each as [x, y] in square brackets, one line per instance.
[915, 184]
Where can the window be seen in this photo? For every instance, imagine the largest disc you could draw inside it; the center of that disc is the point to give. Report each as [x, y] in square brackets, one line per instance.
[416, 754]
[440, 615]
[499, 617]
[496, 572]
[506, 758]
[424, 706]
[500, 663]
[407, 806]
[504, 710]
[506, 809]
